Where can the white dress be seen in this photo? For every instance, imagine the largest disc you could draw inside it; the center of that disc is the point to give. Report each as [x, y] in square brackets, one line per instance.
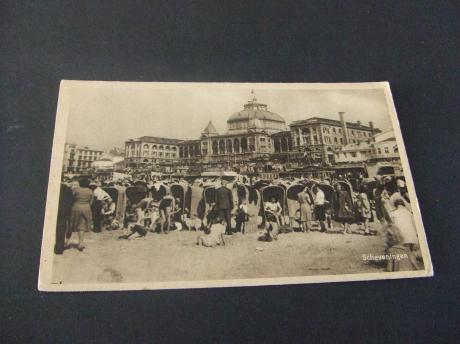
[404, 220]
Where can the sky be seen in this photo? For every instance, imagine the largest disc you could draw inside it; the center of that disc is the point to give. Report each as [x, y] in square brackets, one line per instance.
[104, 117]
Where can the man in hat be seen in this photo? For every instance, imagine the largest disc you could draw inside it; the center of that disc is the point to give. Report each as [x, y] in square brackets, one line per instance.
[224, 205]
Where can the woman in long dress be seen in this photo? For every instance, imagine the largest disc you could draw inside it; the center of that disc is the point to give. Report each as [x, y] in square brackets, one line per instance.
[81, 216]
[344, 208]
[305, 209]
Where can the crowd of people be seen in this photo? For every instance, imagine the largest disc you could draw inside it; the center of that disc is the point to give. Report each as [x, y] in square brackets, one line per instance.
[328, 205]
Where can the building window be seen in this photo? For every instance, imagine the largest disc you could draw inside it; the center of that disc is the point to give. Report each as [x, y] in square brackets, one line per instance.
[353, 154]
[387, 150]
[379, 151]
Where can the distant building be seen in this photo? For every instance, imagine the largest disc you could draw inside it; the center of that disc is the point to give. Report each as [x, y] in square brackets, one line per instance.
[108, 162]
[353, 153]
[323, 136]
[384, 147]
[150, 150]
[116, 151]
[102, 165]
[248, 137]
[79, 158]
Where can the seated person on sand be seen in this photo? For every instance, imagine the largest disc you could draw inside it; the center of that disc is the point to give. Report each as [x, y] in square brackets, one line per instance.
[144, 206]
[273, 213]
[274, 208]
[194, 223]
[151, 218]
[108, 213]
[135, 231]
[213, 233]
[178, 218]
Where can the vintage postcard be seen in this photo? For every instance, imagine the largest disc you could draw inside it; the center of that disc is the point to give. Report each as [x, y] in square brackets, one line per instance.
[196, 185]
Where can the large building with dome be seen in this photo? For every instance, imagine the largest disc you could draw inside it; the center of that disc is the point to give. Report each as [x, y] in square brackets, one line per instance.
[254, 135]
[247, 139]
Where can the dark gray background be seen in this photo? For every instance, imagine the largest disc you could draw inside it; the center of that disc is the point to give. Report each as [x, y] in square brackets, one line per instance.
[412, 44]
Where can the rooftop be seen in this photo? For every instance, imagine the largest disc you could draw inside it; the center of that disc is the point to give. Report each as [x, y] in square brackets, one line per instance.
[319, 120]
[156, 139]
[255, 110]
[210, 129]
[282, 133]
[354, 147]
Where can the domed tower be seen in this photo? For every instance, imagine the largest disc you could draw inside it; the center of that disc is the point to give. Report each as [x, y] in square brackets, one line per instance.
[255, 117]
[209, 131]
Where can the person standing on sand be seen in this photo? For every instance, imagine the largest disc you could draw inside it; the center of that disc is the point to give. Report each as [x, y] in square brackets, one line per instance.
[242, 217]
[320, 207]
[224, 204]
[344, 208]
[81, 215]
[63, 217]
[305, 209]
[364, 210]
[166, 206]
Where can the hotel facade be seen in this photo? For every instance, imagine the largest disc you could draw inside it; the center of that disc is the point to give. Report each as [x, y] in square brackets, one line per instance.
[79, 158]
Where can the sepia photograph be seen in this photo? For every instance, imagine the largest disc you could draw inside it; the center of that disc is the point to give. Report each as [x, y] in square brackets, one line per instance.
[195, 185]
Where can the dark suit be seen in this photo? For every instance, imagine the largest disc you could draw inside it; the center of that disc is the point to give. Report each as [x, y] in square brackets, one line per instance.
[63, 216]
[224, 205]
